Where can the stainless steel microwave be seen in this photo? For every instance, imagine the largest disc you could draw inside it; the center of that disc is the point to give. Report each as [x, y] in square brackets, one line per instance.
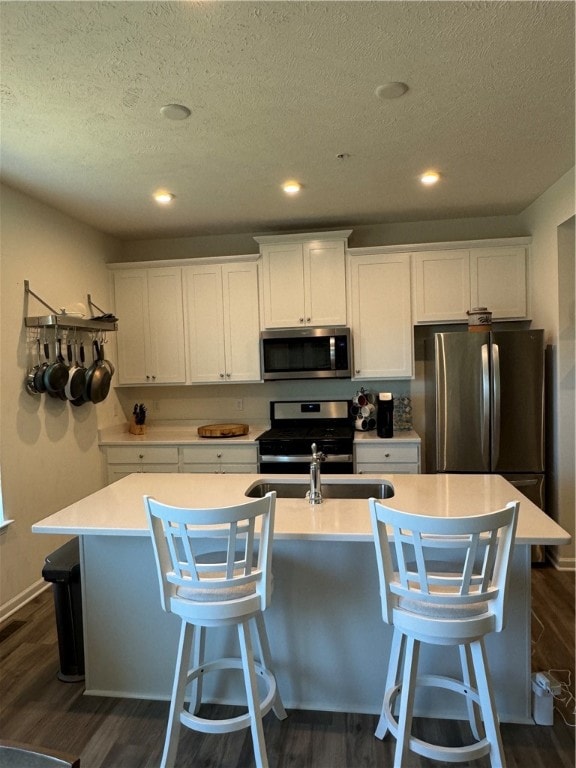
[306, 353]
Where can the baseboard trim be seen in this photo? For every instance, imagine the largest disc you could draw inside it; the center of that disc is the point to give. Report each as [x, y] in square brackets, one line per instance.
[562, 563]
[13, 605]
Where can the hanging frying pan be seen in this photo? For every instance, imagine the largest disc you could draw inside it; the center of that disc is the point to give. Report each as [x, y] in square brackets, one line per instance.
[56, 374]
[107, 363]
[98, 377]
[76, 376]
[82, 397]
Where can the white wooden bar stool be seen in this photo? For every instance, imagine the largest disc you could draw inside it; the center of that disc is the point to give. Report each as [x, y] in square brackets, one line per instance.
[234, 588]
[442, 581]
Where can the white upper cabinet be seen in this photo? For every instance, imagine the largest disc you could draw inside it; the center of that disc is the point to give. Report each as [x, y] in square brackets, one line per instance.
[441, 285]
[498, 281]
[151, 327]
[304, 279]
[223, 322]
[380, 315]
[447, 283]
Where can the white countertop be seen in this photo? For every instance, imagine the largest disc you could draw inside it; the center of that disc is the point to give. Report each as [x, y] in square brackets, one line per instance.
[172, 434]
[117, 509]
[177, 433]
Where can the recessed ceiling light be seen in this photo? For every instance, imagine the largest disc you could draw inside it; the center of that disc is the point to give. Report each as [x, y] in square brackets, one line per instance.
[164, 198]
[391, 90]
[175, 112]
[291, 187]
[429, 178]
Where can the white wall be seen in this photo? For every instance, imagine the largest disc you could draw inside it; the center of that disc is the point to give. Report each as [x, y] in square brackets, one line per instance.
[550, 221]
[49, 449]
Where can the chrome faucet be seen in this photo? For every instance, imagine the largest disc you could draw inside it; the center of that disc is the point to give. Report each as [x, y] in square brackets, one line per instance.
[315, 492]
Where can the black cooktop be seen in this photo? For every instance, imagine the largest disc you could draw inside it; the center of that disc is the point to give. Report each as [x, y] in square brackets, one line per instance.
[318, 431]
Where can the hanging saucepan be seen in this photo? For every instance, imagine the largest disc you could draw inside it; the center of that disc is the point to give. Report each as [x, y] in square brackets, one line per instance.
[98, 377]
[33, 378]
[56, 374]
[76, 376]
[82, 397]
[39, 382]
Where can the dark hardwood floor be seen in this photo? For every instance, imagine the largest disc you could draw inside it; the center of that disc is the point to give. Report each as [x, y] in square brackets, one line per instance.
[37, 709]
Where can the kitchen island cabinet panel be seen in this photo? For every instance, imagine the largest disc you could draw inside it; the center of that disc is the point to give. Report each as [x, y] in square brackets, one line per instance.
[325, 613]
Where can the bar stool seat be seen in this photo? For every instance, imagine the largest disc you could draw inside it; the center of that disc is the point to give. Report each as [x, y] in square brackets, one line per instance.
[443, 581]
[229, 587]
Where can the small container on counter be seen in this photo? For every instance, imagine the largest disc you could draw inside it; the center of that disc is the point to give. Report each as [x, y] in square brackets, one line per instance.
[385, 416]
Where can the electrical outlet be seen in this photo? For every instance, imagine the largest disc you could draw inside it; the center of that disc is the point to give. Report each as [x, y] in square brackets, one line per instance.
[239, 404]
[547, 682]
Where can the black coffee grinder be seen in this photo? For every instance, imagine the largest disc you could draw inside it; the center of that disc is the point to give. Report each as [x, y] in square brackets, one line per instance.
[385, 415]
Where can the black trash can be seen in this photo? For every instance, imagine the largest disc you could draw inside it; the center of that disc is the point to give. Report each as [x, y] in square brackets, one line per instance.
[62, 569]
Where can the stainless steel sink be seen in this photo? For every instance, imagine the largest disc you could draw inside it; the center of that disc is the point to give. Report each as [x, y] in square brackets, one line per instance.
[361, 489]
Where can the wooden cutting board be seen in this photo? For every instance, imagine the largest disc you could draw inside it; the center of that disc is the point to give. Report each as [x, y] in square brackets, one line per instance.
[223, 430]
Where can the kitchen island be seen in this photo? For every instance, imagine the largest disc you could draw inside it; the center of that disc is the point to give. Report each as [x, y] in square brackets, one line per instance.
[329, 643]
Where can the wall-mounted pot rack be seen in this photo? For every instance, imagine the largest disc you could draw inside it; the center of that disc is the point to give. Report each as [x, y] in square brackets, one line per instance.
[67, 322]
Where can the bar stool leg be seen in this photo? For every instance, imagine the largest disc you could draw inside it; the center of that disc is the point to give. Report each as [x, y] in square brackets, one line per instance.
[178, 693]
[487, 703]
[407, 693]
[252, 695]
[266, 659]
[392, 680]
[470, 682]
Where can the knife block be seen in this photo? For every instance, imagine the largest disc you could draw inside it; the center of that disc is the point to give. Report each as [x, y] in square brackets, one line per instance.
[136, 429]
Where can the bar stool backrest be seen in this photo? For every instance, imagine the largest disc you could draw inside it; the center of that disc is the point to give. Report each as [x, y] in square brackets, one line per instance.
[444, 567]
[191, 581]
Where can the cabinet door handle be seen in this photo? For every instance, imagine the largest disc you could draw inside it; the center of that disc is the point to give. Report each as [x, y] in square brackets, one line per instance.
[308, 319]
[357, 371]
[221, 375]
[228, 375]
[219, 455]
[301, 319]
[387, 455]
[140, 455]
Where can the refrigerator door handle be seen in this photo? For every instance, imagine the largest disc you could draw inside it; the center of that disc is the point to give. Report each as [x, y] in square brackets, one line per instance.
[485, 421]
[495, 405]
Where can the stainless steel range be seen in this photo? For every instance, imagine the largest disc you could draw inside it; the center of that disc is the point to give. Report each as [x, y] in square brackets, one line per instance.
[287, 446]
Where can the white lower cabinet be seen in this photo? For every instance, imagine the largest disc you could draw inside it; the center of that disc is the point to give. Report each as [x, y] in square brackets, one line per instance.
[388, 455]
[220, 458]
[123, 460]
[381, 315]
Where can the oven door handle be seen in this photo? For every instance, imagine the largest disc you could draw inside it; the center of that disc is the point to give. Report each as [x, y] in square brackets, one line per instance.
[331, 457]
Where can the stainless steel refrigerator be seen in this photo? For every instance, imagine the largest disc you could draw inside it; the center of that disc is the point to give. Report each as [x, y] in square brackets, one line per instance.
[485, 406]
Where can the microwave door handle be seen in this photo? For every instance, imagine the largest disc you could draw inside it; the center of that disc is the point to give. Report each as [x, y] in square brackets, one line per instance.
[333, 353]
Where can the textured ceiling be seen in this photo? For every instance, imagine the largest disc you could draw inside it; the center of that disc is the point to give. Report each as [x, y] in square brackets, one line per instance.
[277, 90]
